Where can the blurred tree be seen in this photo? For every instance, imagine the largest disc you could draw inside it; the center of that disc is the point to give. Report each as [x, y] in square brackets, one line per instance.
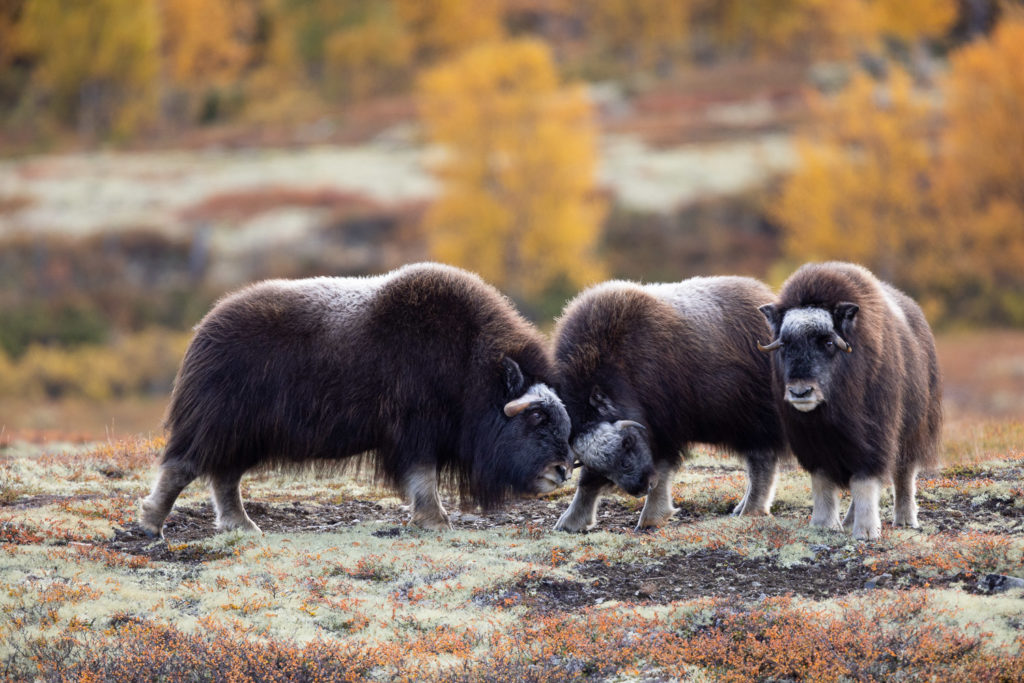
[913, 20]
[518, 204]
[442, 28]
[368, 58]
[97, 61]
[206, 41]
[861, 189]
[980, 193]
[648, 33]
[206, 45]
[10, 12]
[806, 29]
[937, 210]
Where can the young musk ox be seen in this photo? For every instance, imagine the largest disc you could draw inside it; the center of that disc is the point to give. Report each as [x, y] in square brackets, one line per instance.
[857, 384]
[426, 370]
[645, 370]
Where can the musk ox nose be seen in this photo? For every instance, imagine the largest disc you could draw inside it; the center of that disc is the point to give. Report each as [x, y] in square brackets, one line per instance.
[800, 390]
[562, 472]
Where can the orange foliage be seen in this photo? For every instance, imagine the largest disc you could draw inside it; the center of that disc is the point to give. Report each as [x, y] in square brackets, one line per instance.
[442, 28]
[940, 214]
[206, 41]
[518, 204]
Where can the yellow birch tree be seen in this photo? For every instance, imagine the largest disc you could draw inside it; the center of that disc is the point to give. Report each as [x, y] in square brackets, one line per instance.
[97, 61]
[518, 203]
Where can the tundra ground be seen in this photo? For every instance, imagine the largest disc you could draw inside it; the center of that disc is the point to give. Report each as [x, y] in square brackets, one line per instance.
[338, 586]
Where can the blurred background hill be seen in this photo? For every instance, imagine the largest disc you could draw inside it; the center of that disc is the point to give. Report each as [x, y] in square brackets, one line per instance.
[155, 154]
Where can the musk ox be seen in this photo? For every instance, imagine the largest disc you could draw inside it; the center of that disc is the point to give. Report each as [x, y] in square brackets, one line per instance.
[645, 370]
[857, 385]
[426, 371]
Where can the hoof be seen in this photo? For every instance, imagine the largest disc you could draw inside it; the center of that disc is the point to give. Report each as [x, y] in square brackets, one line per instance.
[246, 527]
[573, 524]
[432, 524]
[153, 528]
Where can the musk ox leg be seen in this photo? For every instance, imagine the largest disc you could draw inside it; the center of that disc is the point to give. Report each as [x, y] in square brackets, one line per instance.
[582, 512]
[154, 508]
[227, 500]
[762, 479]
[421, 488]
[905, 491]
[866, 522]
[825, 495]
[658, 507]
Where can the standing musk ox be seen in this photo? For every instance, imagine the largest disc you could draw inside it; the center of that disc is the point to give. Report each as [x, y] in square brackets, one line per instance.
[645, 370]
[426, 370]
[857, 384]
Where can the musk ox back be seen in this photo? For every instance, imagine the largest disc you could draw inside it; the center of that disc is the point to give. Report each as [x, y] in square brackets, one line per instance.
[857, 384]
[426, 370]
[645, 370]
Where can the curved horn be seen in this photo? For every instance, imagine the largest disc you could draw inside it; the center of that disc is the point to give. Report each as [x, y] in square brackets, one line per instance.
[516, 406]
[841, 343]
[622, 424]
[771, 346]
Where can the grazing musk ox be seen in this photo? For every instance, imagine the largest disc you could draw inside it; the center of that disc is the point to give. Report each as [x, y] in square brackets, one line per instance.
[427, 370]
[857, 383]
[645, 370]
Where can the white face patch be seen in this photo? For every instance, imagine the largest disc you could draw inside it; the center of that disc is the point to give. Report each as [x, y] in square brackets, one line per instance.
[597, 447]
[800, 322]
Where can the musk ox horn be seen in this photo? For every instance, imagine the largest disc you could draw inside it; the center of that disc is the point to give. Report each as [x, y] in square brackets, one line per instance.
[841, 343]
[771, 346]
[516, 406]
[622, 424]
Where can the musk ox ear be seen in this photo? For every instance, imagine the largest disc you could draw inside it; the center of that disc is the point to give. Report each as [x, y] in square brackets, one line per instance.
[771, 315]
[843, 318]
[513, 377]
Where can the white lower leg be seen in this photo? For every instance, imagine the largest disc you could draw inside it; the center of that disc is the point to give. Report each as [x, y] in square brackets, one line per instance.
[427, 511]
[582, 512]
[825, 495]
[905, 494]
[658, 507]
[762, 480]
[227, 501]
[866, 521]
[154, 508]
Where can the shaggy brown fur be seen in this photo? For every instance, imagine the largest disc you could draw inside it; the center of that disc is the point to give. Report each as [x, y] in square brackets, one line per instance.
[681, 360]
[881, 413]
[413, 367]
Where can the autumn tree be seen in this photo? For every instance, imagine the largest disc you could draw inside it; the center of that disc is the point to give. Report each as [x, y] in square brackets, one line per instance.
[368, 57]
[518, 200]
[443, 28]
[647, 33]
[931, 203]
[205, 46]
[860, 191]
[96, 62]
[979, 192]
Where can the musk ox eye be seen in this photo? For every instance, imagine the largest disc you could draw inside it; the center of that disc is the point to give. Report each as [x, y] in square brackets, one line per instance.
[829, 344]
[536, 417]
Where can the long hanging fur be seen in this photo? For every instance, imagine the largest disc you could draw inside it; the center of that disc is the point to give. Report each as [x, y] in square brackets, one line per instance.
[885, 409]
[394, 368]
[681, 358]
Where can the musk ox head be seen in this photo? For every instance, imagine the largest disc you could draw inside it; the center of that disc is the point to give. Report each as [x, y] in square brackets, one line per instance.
[809, 342]
[525, 447]
[615, 447]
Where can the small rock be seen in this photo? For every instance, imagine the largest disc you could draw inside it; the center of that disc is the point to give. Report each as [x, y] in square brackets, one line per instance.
[998, 583]
[879, 581]
[469, 517]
